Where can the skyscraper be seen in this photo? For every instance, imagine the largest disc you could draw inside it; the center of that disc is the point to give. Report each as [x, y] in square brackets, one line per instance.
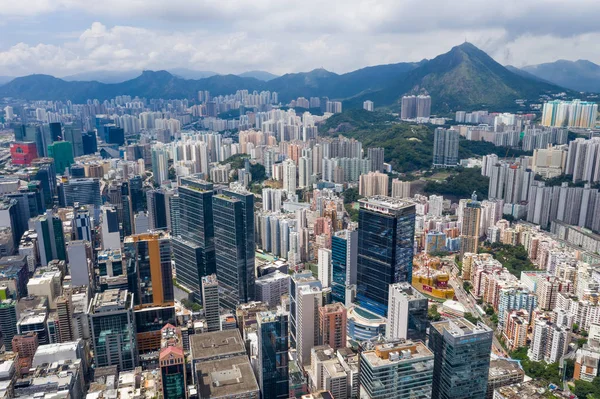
[62, 153]
[445, 147]
[469, 235]
[89, 142]
[82, 191]
[171, 360]
[324, 266]
[574, 113]
[80, 262]
[396, 369]
[423, 106]
[344, 251]
[386, 228]
[309, 299]
[72, 134]
[462, 358]
[407, 313]
[194, 248]
[376, 155]
[210, 302]
[113, 329]
[273, 371]
[111, 236]
[160, 164]
[8, 321]
[158, 208]
[408, 109]
[333, 325]
[234, 246]
[149, 277]
[148, 258]
[51, 239]
[64, 310]
[289, 176]
[373, 183]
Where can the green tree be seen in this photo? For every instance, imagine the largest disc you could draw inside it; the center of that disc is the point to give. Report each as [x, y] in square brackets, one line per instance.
[351, 195]
[433, 314]
[471, 318]
[467, 286]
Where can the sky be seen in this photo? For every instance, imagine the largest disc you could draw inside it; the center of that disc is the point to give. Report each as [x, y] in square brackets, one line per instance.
[65, 37]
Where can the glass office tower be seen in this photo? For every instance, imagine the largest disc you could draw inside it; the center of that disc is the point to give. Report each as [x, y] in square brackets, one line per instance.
[344, 245]
[386, 228]
[113, 330]
[234, 246]
[462, 359]
[194, 247]
[396, 369]
[273, 371]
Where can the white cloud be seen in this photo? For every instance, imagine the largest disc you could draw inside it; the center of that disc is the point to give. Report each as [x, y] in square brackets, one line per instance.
[339, 35]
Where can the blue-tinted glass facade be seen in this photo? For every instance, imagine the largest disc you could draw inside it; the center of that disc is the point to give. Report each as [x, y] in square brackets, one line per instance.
[385, 253]
[234, 246]
[194, 249]
[462, 359]
[339, 253]
[273, 355]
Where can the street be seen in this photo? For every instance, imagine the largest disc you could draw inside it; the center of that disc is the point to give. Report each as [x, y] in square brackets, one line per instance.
[470, 306]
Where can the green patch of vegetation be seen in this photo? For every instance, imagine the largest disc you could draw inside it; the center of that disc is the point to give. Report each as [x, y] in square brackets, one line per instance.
[236, 161]
[470, 148]
[513, 257]
[231, 114]
[352, 212]
[584, 389]
[467, 286]
[549, 373]
[461, 184]
[258, 172]
[355, 119]
[433, 314]
[508, 217]
[472, 318]
[193, 306]
[351, 195]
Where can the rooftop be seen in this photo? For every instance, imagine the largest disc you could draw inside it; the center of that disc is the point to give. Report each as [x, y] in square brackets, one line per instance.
[523, 390]
[226, 377]
[383, 204]
[398, 352]
[111, 300]
[503, 367]
[217, 344]
[460, 327]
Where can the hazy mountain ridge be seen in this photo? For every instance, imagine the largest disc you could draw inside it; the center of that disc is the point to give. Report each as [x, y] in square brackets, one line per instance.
[580, 75]
[465, 77]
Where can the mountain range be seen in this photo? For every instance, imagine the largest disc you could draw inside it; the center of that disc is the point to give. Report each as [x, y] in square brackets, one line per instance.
[581, 75]
[463, 78]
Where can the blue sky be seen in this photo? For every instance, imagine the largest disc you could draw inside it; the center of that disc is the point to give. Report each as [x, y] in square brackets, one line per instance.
[64, 37]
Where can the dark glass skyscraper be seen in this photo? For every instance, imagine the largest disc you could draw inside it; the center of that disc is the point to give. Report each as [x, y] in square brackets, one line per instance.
[137, 194]
[462, 359]
[46, 174]
[157, 209]
[89, 142]
[273, 370]
[344, 245]
[194, 248]
[234, 246]
[386, 228]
